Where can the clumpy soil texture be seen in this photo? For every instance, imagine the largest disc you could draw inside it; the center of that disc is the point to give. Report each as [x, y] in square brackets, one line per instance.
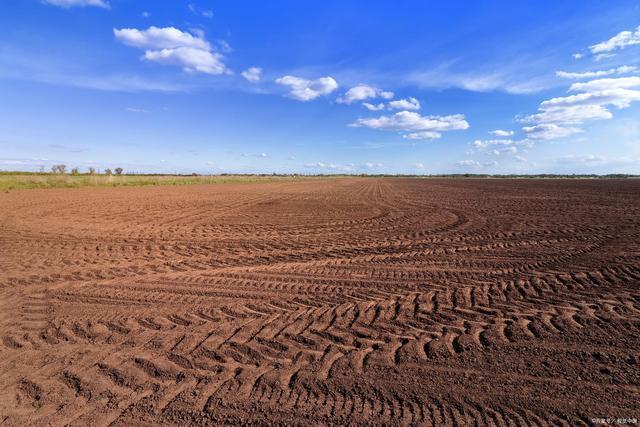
[361, 301]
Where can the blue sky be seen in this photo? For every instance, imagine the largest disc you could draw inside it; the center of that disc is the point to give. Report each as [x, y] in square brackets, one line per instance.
[213, 86]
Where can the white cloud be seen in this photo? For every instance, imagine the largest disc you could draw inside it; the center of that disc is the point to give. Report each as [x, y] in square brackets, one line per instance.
[224, 46]
[370, 165]
[418, 165]
[468, 163]
[411, 121]
[306, 90]
[573, 114]
[260, 155]
[504, 150]
[500, 132]
[372, 107]
[330, 166]
[602, 56]
[82, 3]
[485, 143]
[549, 131]
[578, 55]
[189, 58]
[252, 74]
[171, 46]
[601, 73]
[620, 98]
[584, 159]
[490, 163]
[362, 92]
[405, 104]
[520, 158]
[591, 104]
[606, 84]
[193, 8]
[136, 110]
[159, 38]
[619, 41]
[425, 134]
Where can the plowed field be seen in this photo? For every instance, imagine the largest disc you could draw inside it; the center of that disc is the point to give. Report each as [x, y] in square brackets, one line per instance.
[363, 301]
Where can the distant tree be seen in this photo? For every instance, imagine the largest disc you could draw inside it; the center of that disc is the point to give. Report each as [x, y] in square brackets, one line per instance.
[107, 171]
[119, 171]
[61, 169]
[92, 171]
[75, 171]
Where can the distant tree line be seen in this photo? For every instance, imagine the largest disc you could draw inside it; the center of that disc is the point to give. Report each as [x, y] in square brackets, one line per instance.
[62, 169]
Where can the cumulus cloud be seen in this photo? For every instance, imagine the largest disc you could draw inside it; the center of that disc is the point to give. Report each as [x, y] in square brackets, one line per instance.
[306, 90]
[619, 41]
[159, 38]
[171, 46]
[363, 92]
[418, 165]
[589, 104]
[601, 73]
[405, 104]
[500, 132]
[252, 74]
[410, 121]
[549, 131]
[578, 55]
[373, 107]
[81, 3]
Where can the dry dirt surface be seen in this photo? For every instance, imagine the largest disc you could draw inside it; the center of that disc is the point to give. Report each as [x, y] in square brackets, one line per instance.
[338, 301]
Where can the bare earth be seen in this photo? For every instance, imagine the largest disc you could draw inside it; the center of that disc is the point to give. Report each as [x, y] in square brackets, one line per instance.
[397, 301]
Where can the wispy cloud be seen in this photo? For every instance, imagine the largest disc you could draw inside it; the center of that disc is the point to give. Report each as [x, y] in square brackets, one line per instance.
[592, 74]
[79, 3]
[468, 162]
[501, 132]
[330, 166]
[137, 110]
[252, 74]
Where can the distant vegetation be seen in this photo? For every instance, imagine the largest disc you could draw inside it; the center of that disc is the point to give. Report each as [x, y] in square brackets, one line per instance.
[59, 178]
[27, 180]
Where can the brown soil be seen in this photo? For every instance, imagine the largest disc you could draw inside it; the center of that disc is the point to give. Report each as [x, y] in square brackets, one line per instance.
[364, 301]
